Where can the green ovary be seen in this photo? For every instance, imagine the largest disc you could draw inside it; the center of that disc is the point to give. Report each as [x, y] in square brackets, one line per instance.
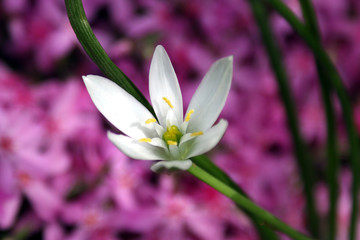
[172, 135]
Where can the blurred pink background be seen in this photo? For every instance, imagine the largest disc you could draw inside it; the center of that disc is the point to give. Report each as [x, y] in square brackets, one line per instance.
[60, 178]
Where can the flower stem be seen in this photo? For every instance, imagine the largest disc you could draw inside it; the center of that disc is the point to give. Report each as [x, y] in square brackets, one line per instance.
[96, 52]
[207, 165]
[305, 167]
[266, 217]
[337, 83]
[332, 150]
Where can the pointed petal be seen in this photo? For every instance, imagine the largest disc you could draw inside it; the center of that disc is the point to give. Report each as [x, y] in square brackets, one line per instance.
[118, 106]
[163, 83]
[209, 99]
[205, 142]
[137, 150]
[171, 165]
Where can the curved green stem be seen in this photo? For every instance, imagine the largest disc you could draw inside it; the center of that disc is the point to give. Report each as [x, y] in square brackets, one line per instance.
[96, 52]
[332, 150]
[305, 167]
[337, 83]
[266, 217]
[207, 165]
[309, 15]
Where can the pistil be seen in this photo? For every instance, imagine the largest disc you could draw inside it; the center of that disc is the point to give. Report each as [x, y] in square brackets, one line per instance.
[172, 135]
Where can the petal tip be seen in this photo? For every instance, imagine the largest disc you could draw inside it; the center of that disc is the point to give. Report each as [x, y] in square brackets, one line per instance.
[87, 81]
[84, 77]
[227, 60]
[89, 78]
[224, 121]
[159, 49]
[110, 134]
[159, 46]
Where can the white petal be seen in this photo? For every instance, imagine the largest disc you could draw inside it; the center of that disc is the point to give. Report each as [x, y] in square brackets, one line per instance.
[174, 151]
[185, 138]
[137, 150]
[118, 106]
[163, 83]
[210, 96]
[183, 127]
[205, 142]
[158, 142]
[171, 119]
[160, 130]
[171, 165]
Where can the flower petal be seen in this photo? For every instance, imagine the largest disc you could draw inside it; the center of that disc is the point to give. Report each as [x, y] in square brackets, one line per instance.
[185, 138]
[137, 150]
[205, 142]
[174, 151]
[171, 165]
[163, 83]
[209, 98]
[118, 106]
[158, 142]
[171, 119]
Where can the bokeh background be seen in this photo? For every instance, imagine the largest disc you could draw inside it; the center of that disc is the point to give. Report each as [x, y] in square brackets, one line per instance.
[60, 178]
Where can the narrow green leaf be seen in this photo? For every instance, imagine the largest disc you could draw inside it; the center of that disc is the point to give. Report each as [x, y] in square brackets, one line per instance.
[338, 85]
[332, 149]
[303, 161]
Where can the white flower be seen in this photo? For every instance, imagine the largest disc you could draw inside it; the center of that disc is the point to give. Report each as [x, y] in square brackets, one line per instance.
[172, 138]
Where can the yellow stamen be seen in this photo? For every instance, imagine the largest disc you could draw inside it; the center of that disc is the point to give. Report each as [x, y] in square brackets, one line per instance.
[188, 116]
[145, 140]
[194, 134]
[150, 120]
[168, 102]
[171, 142]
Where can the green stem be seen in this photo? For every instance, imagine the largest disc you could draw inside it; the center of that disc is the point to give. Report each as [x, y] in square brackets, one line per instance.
[337, 83]
[207, 165]
[310, 17]
[93, 48]
[332, 151]
[266, 217]
[305, 167]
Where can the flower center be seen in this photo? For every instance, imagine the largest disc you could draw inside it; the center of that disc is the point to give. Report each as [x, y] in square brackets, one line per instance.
[172, 135]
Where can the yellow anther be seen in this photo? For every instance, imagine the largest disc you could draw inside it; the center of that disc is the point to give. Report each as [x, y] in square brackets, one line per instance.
[150, 120]
[194, 134]
[188, 116]
[145, 140]
[168, 102]
[171, 142]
